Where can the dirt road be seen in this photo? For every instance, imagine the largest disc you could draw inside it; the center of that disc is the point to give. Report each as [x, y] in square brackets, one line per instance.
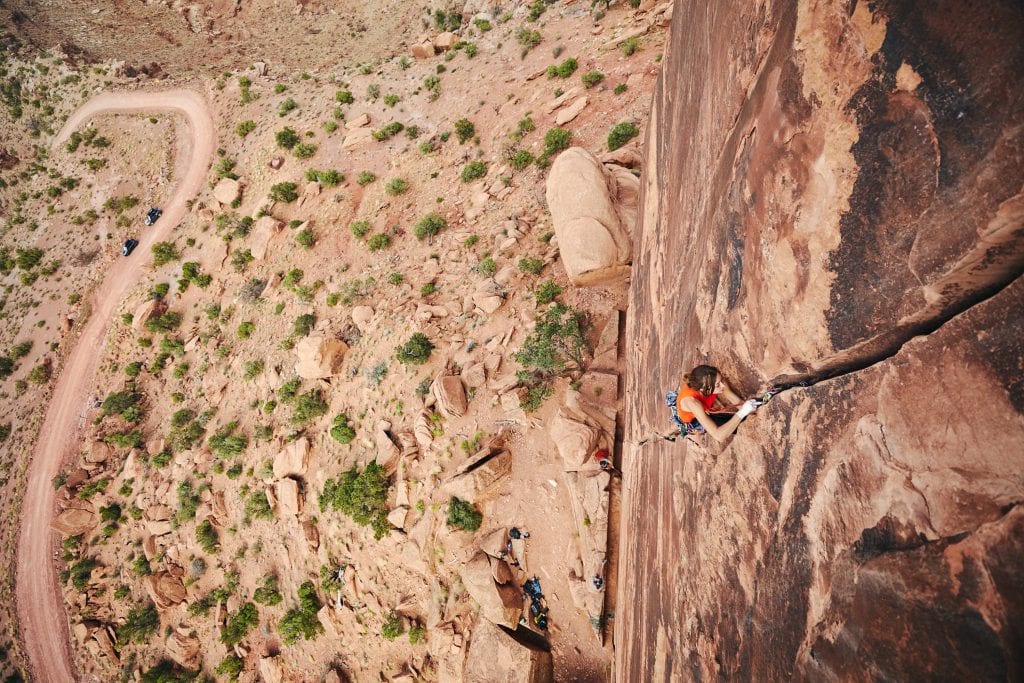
[44, 624]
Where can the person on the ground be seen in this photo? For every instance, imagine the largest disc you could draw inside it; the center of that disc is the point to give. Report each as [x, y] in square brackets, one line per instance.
[706, 403]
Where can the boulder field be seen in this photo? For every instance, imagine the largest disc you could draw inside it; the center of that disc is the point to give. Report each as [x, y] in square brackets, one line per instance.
[834, 197]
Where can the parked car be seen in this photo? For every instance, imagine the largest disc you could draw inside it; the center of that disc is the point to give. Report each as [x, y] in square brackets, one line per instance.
[152, 215]
[129, 247]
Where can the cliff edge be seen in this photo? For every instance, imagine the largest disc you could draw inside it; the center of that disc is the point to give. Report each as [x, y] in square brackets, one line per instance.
[834, 199]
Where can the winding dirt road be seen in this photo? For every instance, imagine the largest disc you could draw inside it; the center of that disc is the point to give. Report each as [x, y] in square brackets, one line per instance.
[44, 624]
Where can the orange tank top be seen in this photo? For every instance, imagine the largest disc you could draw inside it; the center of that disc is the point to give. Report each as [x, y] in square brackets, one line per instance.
[688, 391]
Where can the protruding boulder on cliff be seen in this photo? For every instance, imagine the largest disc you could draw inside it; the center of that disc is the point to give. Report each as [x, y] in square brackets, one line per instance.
[500, 604]
[450, 395]
[165, 590]
[293, 459]
[595, 245]
[227, 191]
[496, 655]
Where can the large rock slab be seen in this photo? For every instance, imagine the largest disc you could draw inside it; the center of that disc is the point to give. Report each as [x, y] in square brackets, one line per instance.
[292, 459]
[165, 590]
[263, 231]
[495, 655]
[74, 521]
[595, 246]
[319, 357]
[499, 604]
[227, 191]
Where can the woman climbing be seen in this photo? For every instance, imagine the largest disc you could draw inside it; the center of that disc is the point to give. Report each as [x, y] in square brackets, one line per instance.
[698, 406]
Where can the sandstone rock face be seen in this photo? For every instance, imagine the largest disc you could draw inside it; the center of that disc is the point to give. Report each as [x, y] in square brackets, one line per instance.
[289, 497]
[450, 395]
[319, 357]
[850, 228]
[499, 604]
[594, 244]
[293, 459]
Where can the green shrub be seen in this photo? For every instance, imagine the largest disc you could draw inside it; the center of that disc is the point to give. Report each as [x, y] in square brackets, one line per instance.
[341, 429]
[378, 242]
[417, 634]
[432, 84]
[283, 192]
[81, 571]
[621, 134]
[231, 666]
[308, 407]
[620, 88]
[396, 186]
[630, 45]
[225, 443]
[546, 292]
[166, 671]
[164, 252]
[464, 130]
[521, 159]
[391, 99]
[528, 38]
[428, 289]
[287, 138]
[559, 336]
[116, 403]
[268, 594]
[463, 515]
[556, 140]
[301, 622]
[416, 351]
[206, 536]
[360, 228]
[487, 266]
[166, 322]
[330, 126]
[303, 324]
[133, 369]
[396, 278]
[533, 266]
[564, 70]
[430, 225]
[140, 566]
[365, 178]
[305, 238]
[390, 130]
[536, 9]
[392, 627]
[304, 150]
[592, 78]
[473, 170]
[238, 624]
[287, 106]
[188, 501]
[257, 505]
[363, 496]
[253, 369]
[245, 127]
[139, 625]
[245, 329]
[483, 25]
[344, 96]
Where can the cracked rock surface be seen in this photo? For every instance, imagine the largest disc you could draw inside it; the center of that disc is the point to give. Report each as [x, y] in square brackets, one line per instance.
[843, 201]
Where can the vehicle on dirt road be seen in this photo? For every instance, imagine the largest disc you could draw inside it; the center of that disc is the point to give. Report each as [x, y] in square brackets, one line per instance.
[129, 247]
[152, 215]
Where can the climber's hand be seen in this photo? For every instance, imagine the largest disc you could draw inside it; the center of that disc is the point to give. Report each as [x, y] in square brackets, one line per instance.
[747, 408]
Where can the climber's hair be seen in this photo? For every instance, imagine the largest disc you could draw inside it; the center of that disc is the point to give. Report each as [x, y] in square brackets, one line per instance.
[702, 378]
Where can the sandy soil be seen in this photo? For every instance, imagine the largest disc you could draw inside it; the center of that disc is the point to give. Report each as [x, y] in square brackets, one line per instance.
[40, 608]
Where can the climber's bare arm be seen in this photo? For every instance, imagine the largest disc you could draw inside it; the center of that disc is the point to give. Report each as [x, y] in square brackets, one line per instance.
[720, 433]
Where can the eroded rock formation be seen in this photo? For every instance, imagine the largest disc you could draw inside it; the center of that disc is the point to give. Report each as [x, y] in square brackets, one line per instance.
[834, 196]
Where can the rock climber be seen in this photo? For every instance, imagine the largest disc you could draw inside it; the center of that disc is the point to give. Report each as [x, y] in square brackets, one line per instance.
[701, 408]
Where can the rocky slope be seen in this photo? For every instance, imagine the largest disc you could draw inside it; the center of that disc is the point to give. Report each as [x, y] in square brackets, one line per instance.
[834, 197]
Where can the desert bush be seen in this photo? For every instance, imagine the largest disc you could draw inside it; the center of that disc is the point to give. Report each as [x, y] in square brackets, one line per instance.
[344, 96]
[528, 38]
[416, 351]
[546, 292]
[520, 159]
[533, 266]
[417, 634]
[245, 329]
[238, 624]
[487, 266]
[396, 278]
[378, 242]
[231, 666]
[308, 407]
[304, 150]
[139, 625]
[225, 443]
[257, 505]
[121, 204]
[472, 171]
[287, 106]
[283, 192]
[287, 138]
[429, 225]
[392, 627]
[166, 322]
[559, 337]
[390, 130]
[301, 622]
[81, 571]
[365, 178]
[556, 140]
[188, 501]
[267, 593]
[464, 130]
[592, 78]
[396, 186]
[630, 45]
[621, 134]
[427, 289]
[360, 495]
[391, 99]
[342, 430]
[206, 537]
[536, 9]
[305, 238]
[564, 70]
[463, 515]
[432, 84]
[164, 252]
[245, 127]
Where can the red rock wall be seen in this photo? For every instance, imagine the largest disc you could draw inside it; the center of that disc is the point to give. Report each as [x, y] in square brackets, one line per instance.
[835, 194]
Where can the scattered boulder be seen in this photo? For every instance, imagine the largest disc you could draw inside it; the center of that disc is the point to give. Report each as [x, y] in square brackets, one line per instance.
[98, 452]
[396, 517]
[357, 137]
[480, 473]
[293, 459]
[165, 590]
[183, 647]
[147, 311]
[574, 438]
[500, 604]
[450, 395]
[360, 121]
[227, 191]
[74, 521]
[444, 41]
[423, 49]
[474, 375]
[595, 246]
[388, 452]
[263, 230]
[571, 112]
[361, 316]
[270, 670]
[319, 357]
